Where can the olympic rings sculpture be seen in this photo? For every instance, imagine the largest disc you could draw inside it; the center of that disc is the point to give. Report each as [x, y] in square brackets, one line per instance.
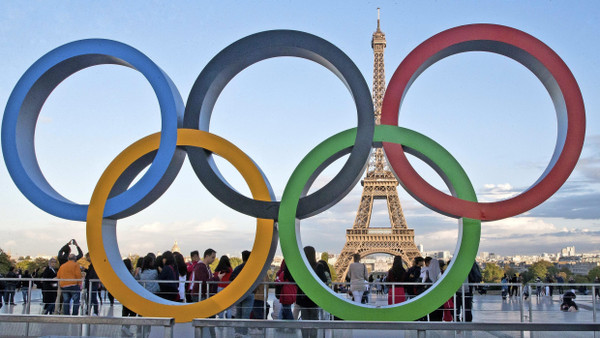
[185, 130]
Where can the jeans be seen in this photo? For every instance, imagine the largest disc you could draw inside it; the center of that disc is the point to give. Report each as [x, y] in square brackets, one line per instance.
[24, 292]
[71, 293]
[311, 313]
[259, 309]
[244, 308]
[49, 308]
[357, 295]
[286, 312]
[9, 294]
[467, 313]
[94, 299]
[227, 313]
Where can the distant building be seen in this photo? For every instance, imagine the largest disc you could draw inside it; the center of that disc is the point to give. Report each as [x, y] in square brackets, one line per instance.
[568, 251]
[175, 248]
[582, 268]
[420, 247]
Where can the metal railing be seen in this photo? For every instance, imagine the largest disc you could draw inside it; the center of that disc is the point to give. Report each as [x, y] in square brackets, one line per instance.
[85, 322]
[420, 327]
[588, 292]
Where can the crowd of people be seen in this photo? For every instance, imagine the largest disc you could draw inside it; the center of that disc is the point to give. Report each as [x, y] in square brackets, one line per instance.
[401, 284]
[169, 276]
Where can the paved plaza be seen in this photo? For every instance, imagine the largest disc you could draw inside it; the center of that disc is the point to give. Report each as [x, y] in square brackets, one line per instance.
[486, 308]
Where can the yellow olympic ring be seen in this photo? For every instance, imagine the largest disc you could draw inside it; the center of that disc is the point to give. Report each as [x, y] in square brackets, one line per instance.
[101, 232]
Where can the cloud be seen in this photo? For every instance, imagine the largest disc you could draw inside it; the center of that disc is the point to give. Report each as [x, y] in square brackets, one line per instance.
[568, 206]
[136, 238]
[518, 235]
[495, 192]
[589, 162]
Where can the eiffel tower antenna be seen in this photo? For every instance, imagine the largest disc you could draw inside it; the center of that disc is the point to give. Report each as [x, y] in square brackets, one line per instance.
[379, 183]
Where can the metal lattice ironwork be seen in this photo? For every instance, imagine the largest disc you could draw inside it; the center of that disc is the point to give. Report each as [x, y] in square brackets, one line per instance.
[379, 183]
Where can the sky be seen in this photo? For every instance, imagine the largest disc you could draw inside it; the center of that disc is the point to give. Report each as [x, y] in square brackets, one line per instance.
[488, 111]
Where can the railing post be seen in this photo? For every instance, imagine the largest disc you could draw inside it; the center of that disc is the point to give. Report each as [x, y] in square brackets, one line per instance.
[521, 307]
[530, 306]
[520, 290]
[89, 299]
[29, 297]
[265, 295]
[454, 307]
[463, 311]
[594, 302]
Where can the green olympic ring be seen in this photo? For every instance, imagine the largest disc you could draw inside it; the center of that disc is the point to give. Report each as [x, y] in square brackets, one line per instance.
[289, 227]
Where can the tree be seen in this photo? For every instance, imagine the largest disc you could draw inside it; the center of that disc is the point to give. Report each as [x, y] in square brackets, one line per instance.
[134, 259]
[595, 272]
[526, 276]
[566, 271]
[541, 269]
[32, 265]
[492, 273]
[509, 271]
[581, 279]
[235, 261]
[5, 262]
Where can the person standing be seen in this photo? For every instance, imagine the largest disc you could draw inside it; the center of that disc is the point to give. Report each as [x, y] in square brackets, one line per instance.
[49, 287]
[149, 275]
[413, 275]
[397, 274]
[514, 288]
[224, 266]
[65, 251]
[245, 306]
[358, 276]
[560, 280]
[181, 274]
[25, 285]
[504, 281]
[473, 277]
[308, 308]
[69, 275]
[91, 281]
[191, 266]
[287, 295]
[203, 275]
[168, 290]
[10, 287]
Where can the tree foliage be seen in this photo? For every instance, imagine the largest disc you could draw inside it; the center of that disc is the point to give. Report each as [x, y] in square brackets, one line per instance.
[492, 273]
[566, 271]
[32, 265]
[594, 272]
[509, 271]
[235, 261]
[541, 269]
[5, 262]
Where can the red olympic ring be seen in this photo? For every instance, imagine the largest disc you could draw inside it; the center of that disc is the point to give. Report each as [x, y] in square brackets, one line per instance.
[538, 58]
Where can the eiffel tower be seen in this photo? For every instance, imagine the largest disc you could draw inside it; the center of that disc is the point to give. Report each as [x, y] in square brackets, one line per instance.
[379, 183]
